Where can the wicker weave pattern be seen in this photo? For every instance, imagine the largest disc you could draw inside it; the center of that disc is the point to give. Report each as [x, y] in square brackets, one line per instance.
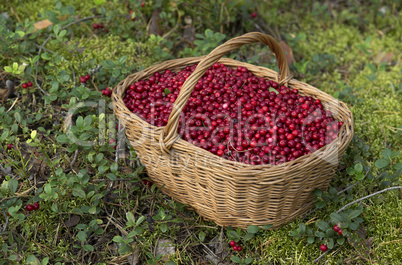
[227, 192]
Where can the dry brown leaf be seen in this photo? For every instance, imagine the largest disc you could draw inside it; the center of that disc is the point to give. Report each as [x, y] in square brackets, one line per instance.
[288, 52]
[42, 24]
[73, 221]
[383, 57]
[154, 27]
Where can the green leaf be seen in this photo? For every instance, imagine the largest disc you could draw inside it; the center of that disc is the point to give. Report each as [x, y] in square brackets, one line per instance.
[350, 171]
[118, 239]
[322, 225]
[233, 235]
[248, 260]
[4, 135]
[164, 228]
[170, 263]
[332, 191]
[336, 217]
[302, 228]
[62, 139]
[114, 167]
[12, 257]
[235, 259]
[140, 220]
[386, 153]
[320, 204]
[92, 210]
[340, 240]
[48, 189]
[395, 154]
[398, 166]
[317, 192]
[130, 217]
[354, 225]
[201, 236]
[310, 239]
[167, 91]
[89, 248]
[355, 213]
[45, 261]
[253, 229]
[271, 89]
[8, 69]
[13, 185]
[32, 260]
[82, 236]
[17, 117]
[381, 163]
[359, 168]
[359, 176]
[330, 244]
[266, 227]
[248, 236]
[62, 33]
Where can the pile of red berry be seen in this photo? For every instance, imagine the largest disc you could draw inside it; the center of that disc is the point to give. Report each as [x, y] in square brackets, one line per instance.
[107, 92]
[31, 207]
[85, 78]
[97, 26]
[26, 85]
[234, 245]
[236, 115]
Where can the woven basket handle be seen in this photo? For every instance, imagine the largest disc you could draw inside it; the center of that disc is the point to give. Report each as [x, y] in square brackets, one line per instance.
[169, 135]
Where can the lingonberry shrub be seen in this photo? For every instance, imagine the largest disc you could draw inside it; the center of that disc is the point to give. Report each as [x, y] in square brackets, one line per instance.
[237, 115]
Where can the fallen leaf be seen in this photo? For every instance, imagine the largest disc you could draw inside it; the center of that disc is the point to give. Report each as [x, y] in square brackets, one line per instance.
[383, 57]
[288, 52]
[165, 248]
[154, 27]
[73, 221]
[42, 24]
[6, 92]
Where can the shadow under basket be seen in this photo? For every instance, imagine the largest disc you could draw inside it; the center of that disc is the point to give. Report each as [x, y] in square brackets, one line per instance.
[227, 192]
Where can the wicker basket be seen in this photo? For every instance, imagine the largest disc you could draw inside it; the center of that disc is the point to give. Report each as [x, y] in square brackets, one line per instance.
[227, 192]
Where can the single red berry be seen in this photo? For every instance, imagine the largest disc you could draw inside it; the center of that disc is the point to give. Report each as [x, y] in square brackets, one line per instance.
[24, 85]
[100, 26]
[113, 141]
[29, 207]
[239, 248]
[142, 4]
[29, 84]
[83, 79]
[95, 25]
[9, 146]
[146, 183]
[254, 14]
[336, 228]
[8, 214]
[340, 123]
[87, 77]
[232, 243]
[36, 206]
[235, 248]
[220, 152]
[323, 247]
[340, 232]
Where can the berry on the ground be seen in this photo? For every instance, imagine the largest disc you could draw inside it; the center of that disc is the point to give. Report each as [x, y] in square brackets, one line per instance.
[254, 14]
[336, 228]
[29, 84]
[36, 206]
[9, 146]
[29, 207]
[323, 247]
[24, 85]
[239, 248]
[83, 79]
[340, 232]
[95, 26]
[146, 183]
[235, 248]
[232, 243]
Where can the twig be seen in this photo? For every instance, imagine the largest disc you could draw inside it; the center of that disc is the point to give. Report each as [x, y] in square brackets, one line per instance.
[368, 196]
[75, 158]
[79, 20]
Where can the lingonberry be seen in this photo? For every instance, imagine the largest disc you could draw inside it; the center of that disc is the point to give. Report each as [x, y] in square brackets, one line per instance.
[35, 206]
[9, 146]
[146, 183]
[239, 248]
[95, 26]
[340, 232]
[29, 84]
[113, 143]
[83, 79]
[24, 85]
[254, 14]
[336, 228]
[29, 207]
[87, 77]
[142, 4]
[232, 243]
[235, 248]
[323, 248]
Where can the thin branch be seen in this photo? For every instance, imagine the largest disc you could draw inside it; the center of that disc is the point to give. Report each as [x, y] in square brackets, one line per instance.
[368, 196]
